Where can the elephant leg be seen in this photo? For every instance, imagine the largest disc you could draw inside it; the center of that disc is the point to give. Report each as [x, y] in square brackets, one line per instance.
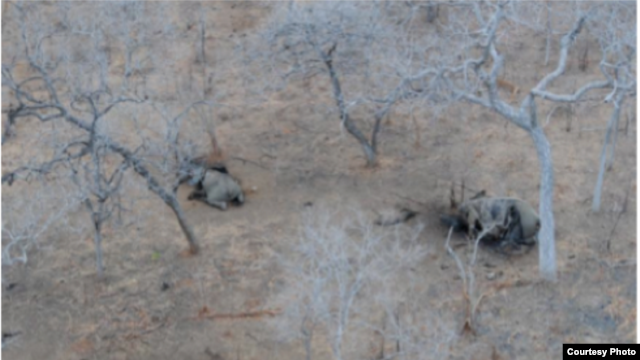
[197, 195]
[222, 205]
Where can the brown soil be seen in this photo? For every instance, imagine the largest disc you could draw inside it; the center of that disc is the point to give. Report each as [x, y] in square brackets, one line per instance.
[155, 303]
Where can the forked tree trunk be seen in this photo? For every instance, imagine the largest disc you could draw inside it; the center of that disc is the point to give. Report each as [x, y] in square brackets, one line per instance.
[369, 149]
[547, 251]
[369, 153]
[168, 198]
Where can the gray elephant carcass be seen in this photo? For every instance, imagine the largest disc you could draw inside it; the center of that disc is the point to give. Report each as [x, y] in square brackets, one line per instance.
[502, 221]
[217, 188]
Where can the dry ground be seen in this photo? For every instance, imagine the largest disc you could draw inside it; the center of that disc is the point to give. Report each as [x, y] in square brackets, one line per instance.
[156, 304]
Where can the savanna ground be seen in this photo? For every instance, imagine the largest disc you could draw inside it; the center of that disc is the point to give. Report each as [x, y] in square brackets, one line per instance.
[224, 303]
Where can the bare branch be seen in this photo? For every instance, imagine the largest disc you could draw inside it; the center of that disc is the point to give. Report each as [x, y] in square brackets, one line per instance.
[572, 97]
[565, 44]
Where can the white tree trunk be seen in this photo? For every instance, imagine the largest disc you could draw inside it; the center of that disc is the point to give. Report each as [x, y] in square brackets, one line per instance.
[547, 251]
[547, 49]
[611, 127]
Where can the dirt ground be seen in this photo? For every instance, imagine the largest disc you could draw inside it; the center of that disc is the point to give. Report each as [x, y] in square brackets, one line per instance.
[155, 303]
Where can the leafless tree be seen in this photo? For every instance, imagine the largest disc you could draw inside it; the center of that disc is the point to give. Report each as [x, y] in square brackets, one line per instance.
[69, 85]
[351, 43]
[608, 146]
[342, 270]
[477, 30]
[467, 274]
[616, 35]
[100, 202]
[97, 147]
[355, 44]
[26, 219]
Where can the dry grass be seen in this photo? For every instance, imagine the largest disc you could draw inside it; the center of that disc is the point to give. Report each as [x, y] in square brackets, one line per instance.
[237, 280]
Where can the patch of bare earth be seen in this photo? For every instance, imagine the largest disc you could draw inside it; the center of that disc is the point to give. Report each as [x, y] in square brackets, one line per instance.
[155, 303]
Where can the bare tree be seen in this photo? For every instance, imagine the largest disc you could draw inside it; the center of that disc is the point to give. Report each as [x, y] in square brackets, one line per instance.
[350, 43]
[467, 274]
[70, 86]
[608, 147]
[462, 61]
[467, 81]
[616, 35]
[106, 146]
[343, 269]
[25, 220]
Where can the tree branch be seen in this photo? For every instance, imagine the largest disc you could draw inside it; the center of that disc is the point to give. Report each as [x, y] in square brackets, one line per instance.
[565, 43]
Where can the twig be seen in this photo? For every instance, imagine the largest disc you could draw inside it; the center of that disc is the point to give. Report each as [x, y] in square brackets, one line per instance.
[409, 199]
[477, 241]
[622, 211]
[595, 128]
[132, 336]
[234, 316]
[244, 161]
[455, 257]
[468, 280]
[550, 114]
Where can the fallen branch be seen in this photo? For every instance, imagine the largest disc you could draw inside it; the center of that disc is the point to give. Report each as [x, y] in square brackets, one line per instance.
[404, 216]
[244, 161]
[138, 335]
[507, 284]
[204, 314]
[409, 199]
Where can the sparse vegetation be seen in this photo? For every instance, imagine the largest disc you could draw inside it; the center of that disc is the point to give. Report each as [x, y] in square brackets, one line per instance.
[343, 272]
[350, 44]
[110, 110]
[79, 97]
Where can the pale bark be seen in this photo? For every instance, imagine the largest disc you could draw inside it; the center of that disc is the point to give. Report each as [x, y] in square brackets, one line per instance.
[546, 238]
[611, 127]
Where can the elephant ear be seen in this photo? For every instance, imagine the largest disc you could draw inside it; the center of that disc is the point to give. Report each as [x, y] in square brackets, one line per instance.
[197, 175]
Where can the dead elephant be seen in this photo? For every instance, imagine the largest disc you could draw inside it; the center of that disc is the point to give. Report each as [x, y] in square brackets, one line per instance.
[501, 221]
[216, 187]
